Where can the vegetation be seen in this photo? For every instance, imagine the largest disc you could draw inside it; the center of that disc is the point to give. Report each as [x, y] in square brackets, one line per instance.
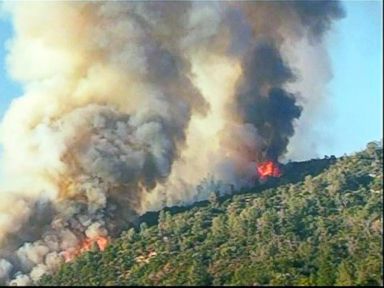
[325, 229]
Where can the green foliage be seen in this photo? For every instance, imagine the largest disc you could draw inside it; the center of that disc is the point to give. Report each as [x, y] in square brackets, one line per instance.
[322, 229]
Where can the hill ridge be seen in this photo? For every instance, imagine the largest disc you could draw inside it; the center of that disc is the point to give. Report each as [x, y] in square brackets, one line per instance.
[324, 229]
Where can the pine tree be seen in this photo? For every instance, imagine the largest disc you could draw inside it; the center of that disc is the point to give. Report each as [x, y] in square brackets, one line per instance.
[326, 271]
[345, 274]
[198, 274]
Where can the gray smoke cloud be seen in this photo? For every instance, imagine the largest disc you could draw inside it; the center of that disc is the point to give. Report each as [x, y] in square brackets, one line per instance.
[130, 106]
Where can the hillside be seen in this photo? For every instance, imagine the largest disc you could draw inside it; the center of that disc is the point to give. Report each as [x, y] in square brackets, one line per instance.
[319, 224]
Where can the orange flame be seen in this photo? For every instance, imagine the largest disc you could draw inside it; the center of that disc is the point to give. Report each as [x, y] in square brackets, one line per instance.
[268, 169]
[85, 245]
[68, 255]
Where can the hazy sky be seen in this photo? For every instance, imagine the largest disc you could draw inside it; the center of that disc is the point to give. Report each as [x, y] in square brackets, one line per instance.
[355, 48]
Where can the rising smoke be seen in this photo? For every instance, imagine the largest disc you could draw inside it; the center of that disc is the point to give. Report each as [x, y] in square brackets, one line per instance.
[130, 106]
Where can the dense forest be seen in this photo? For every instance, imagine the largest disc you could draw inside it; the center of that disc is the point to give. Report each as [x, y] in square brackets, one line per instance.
[319, 224]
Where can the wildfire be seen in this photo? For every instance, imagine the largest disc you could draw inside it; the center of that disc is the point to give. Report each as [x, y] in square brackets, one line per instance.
[86, 245]
[268, 169]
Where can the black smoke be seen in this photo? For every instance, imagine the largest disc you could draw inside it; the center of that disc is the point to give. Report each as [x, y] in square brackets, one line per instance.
[262, 100]
[261, 97]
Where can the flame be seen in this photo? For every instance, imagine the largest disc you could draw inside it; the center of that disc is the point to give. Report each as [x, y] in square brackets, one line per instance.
[86, 245]
[68, 255]
[102, 242]
[268, 169]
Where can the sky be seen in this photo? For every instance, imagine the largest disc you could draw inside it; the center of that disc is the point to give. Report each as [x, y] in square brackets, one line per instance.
[355, 48]
[8, 88]
[357, 86]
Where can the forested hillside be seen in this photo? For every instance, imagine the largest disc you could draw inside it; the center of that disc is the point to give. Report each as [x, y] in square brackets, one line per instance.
[319, 224]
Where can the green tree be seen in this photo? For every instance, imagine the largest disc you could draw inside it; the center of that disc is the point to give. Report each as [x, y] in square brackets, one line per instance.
[219, 229]
[309, 232]
[326, 271]
[372, 147]
[144, 230]
[345, 274]
[213, 198]
[130, 235]
[198, 274]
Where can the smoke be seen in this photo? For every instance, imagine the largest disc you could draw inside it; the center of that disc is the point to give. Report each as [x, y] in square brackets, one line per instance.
[261, 100]
[130, 106]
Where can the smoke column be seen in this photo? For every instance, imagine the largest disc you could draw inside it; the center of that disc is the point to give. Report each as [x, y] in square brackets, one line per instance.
[130, 106]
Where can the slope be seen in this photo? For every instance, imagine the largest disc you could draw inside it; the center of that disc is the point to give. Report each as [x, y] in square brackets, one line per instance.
[325, 229]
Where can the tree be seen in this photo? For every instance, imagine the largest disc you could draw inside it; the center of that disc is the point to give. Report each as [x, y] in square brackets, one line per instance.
[369, 272]
[345, 274]
[130, 235]
[326, 271]
[144, 230]
[164, 222]
[319, 239]
[237, 227]
[198, 274]
[214, 198]
[219, 229]
[371, 148]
